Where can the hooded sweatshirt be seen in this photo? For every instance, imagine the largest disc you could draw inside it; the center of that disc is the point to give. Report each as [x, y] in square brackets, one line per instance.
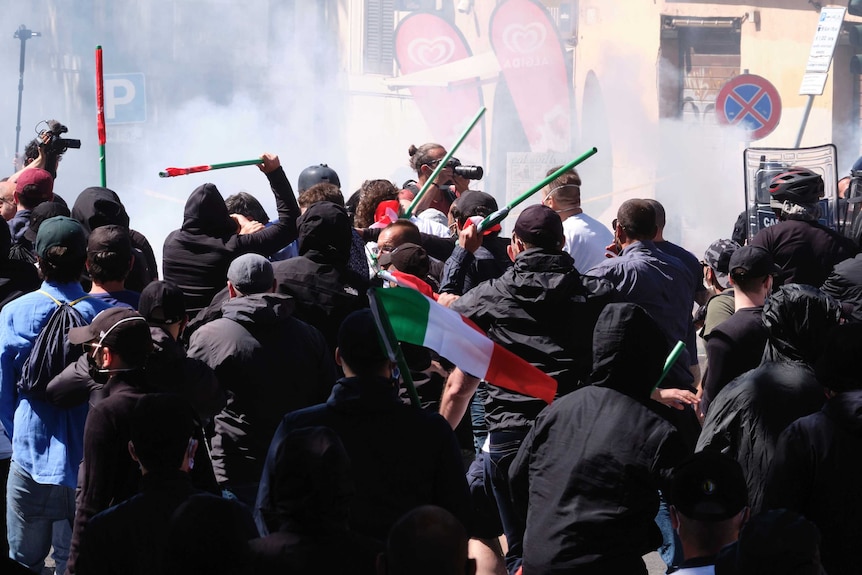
[269, 363]
[324, 289]
[196, 257]
[817, 472]
[96, 207]
[747, 416]
[588, 473]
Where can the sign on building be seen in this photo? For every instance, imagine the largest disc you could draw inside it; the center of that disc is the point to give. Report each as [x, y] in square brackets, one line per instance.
[125, 99]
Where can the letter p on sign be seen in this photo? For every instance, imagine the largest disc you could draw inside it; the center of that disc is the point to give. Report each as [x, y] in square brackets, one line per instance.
[125, 99]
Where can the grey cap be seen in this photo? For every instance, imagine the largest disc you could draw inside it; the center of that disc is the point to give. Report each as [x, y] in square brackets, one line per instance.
[717, 256]
[251, 274]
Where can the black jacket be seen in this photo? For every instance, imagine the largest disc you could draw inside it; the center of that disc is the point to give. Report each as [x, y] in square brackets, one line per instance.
[108, 474]
[269, 363]
[196, 257]
[324, 289]
[464, 270]
[805, 250]
[588, 473]
[544, 311]
[747, 416]
[817, 472]
[401, 457]
[96, 207]
[845, 285]
[168, 370]
[129, 538]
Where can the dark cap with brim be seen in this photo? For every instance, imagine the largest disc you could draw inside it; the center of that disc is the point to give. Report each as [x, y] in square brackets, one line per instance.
[709, 486]
[162, 303]
[540, 226]
[408, 258]
[752, 262]
[123, 330]
[110, 238]
[42, 212]
[61, 231]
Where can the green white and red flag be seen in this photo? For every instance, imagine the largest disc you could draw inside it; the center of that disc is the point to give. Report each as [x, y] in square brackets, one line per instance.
[417, 319]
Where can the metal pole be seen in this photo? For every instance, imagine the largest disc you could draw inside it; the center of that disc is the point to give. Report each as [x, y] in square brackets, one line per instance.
[22, 34]
[805, 115]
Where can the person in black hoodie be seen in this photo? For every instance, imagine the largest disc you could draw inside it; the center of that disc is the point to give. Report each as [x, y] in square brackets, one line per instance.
[747, 416]
[401, 457]
[117, 344]
[268, 362]
[324, 288]
[817, 470]
[586, 477]
[544, 311]
[130, 537]
[96, 207]
[196, 256]
[308, 508]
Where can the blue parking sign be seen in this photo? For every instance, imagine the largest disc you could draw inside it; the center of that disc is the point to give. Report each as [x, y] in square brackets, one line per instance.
[125, 98]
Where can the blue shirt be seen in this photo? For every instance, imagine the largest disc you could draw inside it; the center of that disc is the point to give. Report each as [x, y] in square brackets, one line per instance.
[47, 441]
[663, 286]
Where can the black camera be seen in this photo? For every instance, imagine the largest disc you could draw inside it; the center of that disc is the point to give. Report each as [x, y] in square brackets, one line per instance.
[469, 172]
[53, 141]
[466, 172]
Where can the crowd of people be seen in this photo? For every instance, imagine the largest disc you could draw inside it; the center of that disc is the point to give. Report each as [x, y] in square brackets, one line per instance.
[246, 414]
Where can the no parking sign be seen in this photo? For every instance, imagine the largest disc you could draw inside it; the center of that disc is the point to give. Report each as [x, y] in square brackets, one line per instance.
[750, 102]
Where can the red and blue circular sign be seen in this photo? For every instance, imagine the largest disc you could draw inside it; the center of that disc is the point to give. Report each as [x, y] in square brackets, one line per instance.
[749, 102]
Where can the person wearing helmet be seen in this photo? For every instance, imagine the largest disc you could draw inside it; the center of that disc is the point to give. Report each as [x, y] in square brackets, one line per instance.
[320, 173]
[804, 249]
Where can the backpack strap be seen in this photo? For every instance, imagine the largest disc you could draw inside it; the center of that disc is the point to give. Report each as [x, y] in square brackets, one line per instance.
[59, 303]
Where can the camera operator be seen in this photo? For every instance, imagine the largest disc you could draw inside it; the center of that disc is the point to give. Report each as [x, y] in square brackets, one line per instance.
[451, 182]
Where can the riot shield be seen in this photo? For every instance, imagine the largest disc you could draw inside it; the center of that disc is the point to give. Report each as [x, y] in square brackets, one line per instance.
[763, 164]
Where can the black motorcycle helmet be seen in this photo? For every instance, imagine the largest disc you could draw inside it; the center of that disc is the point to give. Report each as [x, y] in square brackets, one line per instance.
[315, 175]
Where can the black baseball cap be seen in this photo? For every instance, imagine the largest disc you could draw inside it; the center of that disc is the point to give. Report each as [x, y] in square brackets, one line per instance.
[540, 226]
[110, 238]
[752, 261]
[162, 302]
[119, 328]
[709, 486]
[408, 258]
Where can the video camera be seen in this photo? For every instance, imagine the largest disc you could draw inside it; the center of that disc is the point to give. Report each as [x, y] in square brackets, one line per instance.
[52, 139]
[466, 172]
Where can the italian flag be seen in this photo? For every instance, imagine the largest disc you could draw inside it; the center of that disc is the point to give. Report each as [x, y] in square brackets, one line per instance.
[417, 319]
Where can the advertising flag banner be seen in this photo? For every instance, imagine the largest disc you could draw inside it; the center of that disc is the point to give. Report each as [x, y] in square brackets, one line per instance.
[532, 57]
[424, 41]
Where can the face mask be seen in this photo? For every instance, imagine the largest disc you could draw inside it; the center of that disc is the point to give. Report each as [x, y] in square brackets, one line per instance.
[97, 374]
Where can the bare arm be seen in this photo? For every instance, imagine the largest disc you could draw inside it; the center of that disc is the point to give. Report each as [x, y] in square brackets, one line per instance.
[459, 389]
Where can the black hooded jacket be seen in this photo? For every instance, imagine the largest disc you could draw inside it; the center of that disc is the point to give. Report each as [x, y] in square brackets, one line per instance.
[197, 256]
[544, 311]
[307, 509]
[845, 285]
[269, 363]
[588, 473]
[817, 472]
[747, 416]
[96, 207]
[324, 289]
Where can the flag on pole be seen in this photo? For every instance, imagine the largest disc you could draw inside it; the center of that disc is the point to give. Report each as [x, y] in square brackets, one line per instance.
[419, 320]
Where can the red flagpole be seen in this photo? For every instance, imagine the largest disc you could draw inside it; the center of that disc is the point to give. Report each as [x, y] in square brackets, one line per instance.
[100, 114]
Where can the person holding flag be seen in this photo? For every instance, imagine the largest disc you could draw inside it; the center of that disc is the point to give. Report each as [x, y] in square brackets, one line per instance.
[543, 311]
